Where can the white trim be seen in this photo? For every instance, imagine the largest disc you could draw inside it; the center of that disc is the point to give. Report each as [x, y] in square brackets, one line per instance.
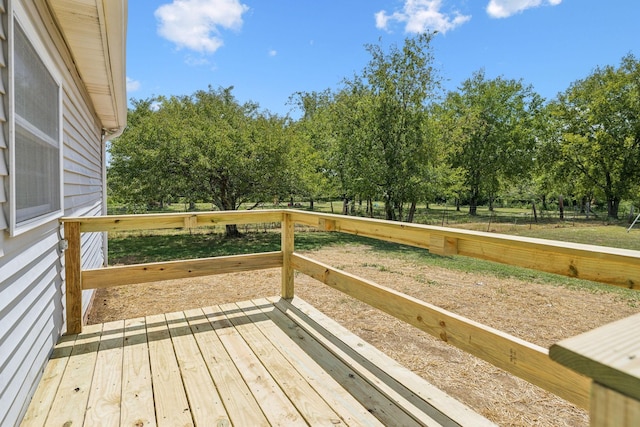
[19, 15]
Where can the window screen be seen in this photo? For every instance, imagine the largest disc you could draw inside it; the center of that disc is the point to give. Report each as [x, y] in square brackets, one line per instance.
[37, 133]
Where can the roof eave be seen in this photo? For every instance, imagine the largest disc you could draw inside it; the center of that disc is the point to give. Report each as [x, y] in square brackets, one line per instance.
[95, 32]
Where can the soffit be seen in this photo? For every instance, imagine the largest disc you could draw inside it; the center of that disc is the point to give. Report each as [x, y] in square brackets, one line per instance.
[95, 33]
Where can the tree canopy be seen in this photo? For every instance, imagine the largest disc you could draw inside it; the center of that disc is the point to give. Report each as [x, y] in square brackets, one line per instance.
[493, 125]
[389, 134]
[206, 146]
[597, 140]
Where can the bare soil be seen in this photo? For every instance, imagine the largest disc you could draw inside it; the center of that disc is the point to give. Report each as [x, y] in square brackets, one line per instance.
[539, 313]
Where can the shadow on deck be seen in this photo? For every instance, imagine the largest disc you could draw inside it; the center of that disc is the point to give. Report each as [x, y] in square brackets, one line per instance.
[263, 362]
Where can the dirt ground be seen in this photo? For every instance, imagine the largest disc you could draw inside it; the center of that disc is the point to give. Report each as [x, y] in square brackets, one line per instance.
[541, 314]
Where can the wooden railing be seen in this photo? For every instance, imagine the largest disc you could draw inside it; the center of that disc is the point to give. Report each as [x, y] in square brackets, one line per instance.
[528, 361]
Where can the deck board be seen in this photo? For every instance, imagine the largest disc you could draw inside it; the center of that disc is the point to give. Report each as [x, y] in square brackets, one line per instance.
[262, 362]
[103, 407]
[137, 407]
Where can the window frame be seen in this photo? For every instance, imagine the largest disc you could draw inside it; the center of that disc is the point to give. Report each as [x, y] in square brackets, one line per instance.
[18, 17]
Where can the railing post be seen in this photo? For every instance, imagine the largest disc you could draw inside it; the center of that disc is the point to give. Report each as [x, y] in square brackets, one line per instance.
[73, 284]
[287, 245]
[609, 356]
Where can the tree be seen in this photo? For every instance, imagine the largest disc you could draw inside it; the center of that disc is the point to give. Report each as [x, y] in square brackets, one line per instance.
[204, 147]
[312, 139]
[493, 125]
[381, 125]
[147, 149]
[598, 134]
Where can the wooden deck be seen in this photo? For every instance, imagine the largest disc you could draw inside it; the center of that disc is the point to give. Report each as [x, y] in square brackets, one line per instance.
[263, 362]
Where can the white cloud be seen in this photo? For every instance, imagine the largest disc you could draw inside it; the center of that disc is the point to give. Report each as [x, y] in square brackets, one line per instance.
[273, 52]
[421, 15]
[195, 24]
[506, 8]
[132, 85]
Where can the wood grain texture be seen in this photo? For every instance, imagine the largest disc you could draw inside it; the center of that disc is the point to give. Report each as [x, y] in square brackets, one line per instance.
[609, 354]
[287, 248]
[204, 401]
[153, 272]
[174, 220]
[137, 391]
[612, 409]
[435, 403]
[234, 392]
[343, 403]
[70, 403]
[519, 357]
[619, 267]
[103, 407]
[48, 387]
[171, 403]
[257, 363]
[73, 277]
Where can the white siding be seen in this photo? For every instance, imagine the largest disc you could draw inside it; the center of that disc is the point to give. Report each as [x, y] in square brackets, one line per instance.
[31, 264]
[4, 129]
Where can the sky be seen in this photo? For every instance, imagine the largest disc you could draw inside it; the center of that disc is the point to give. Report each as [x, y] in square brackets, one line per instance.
[269, 50]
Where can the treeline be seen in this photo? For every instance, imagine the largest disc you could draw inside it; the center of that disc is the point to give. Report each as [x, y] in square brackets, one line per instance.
[389, 133]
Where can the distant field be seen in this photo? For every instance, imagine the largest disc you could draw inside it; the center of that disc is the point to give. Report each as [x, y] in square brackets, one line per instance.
[164, 245]
[578, 228]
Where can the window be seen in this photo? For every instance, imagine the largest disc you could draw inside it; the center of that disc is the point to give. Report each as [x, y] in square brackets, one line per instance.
[36, 148]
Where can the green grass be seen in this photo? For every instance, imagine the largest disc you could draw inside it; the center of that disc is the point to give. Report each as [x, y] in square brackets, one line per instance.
[143, 247]
[135, 248]
[603, 235]
[151, 247]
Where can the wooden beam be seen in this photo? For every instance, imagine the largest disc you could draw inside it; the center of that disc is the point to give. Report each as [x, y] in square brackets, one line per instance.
[287, 247]
[73, 277]
[153, 272]
[610, 355]
[612, 409]
[614, 266]
[174, 220]
[521, 358]
[443, 245]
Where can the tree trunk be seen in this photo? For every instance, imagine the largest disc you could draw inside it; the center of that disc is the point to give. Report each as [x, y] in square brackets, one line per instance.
[583, 204]
[535, 213]
[345, 206]
[370, 207]
[412, 212]
[310, 204]
[473, 201]
[388, 210]
[561, 206]
[613, 204]
[232, 231]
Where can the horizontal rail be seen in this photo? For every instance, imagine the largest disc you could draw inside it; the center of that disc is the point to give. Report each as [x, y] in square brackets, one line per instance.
[519, 357]
[619, 267]
[153, 272]
[173, 220]
[614, 266]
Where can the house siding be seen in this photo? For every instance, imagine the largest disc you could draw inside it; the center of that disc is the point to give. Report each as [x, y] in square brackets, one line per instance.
[31, 264]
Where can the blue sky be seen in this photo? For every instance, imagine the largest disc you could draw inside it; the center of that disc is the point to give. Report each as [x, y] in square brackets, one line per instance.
[269, 50]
